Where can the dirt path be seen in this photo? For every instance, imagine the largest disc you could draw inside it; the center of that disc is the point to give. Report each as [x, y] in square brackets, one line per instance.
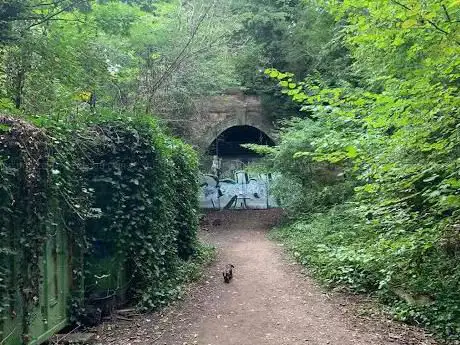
[269, 301]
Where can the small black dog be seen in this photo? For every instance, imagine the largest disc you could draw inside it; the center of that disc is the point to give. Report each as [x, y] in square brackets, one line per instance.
[217, 222]
[228, 273]
[203, 220]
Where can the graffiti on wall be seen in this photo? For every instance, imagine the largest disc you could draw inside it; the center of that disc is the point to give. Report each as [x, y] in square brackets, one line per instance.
[243, 191]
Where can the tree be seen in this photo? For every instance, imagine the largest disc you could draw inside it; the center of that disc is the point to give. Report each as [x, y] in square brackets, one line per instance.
[393, 133]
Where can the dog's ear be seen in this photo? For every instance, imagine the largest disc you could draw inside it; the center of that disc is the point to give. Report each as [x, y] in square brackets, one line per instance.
[232, 266]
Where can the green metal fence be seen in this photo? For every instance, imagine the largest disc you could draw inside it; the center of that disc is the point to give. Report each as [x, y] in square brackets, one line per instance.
[50, 309]
[104, 289]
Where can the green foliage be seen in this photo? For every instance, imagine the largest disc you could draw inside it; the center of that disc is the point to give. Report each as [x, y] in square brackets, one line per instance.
[19, 16]
[305, 185]
[393, 134]
[298, 36]
[68, 57]
[132, 188]
[329, 244]
[41, 190]
[412, 272]
[289, 35]
[114, 183]
[145, 186]
[185, 200]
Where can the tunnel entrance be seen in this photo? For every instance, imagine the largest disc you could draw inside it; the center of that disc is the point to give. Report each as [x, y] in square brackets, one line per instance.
[226, 149]
[228, 184]
[228, 144]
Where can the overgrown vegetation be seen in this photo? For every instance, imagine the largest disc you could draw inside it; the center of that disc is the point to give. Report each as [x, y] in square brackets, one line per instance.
[85, 164]
[114, 186]
[369, 167]
[371, 174]
[154, 57]
[26, 213]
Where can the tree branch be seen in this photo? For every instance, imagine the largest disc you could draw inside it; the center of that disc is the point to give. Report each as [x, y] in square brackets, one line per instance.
[179, 57]
[49, 17]
[437, 27]
[433, 24]
[402, 5]
[14, 19]
[446, 12]
[55, 3]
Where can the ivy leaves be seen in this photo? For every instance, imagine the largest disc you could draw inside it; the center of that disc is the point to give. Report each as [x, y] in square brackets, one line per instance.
[113, 181]
[145, 184]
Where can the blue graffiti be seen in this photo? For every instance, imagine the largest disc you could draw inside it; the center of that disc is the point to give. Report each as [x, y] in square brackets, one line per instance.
[242, 192]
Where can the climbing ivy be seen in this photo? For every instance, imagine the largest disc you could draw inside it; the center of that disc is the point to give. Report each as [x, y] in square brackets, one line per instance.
[112, 182]
[135, 181]
[26, 213]
[186, 206]
[5, 247]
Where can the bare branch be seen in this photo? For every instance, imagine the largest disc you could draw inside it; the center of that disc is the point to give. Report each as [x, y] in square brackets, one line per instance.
[45, 4]
[47, 18]
[15, 19]
[180, 56]
[402, 5]
[437, 27]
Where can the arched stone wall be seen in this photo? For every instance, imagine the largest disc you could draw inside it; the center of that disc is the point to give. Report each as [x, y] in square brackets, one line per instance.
[217, 113]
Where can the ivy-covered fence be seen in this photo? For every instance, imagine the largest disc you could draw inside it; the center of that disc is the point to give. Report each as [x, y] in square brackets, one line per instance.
[113, 198]
[26, 216]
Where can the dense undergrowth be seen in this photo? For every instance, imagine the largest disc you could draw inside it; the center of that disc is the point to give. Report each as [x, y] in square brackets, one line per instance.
[370, 173]
[121, 191]
[416, 280]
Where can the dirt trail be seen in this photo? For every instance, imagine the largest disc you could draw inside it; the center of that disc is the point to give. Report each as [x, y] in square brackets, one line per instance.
[269, 301]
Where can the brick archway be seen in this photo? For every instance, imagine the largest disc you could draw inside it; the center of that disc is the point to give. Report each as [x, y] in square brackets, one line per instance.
[216, 114]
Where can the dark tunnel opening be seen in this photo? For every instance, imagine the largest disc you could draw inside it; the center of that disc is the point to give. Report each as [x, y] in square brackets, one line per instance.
[228, 143]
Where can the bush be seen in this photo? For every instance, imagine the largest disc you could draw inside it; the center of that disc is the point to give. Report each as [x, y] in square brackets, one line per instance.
[407, 270]
[393, 136]
[387, 222]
